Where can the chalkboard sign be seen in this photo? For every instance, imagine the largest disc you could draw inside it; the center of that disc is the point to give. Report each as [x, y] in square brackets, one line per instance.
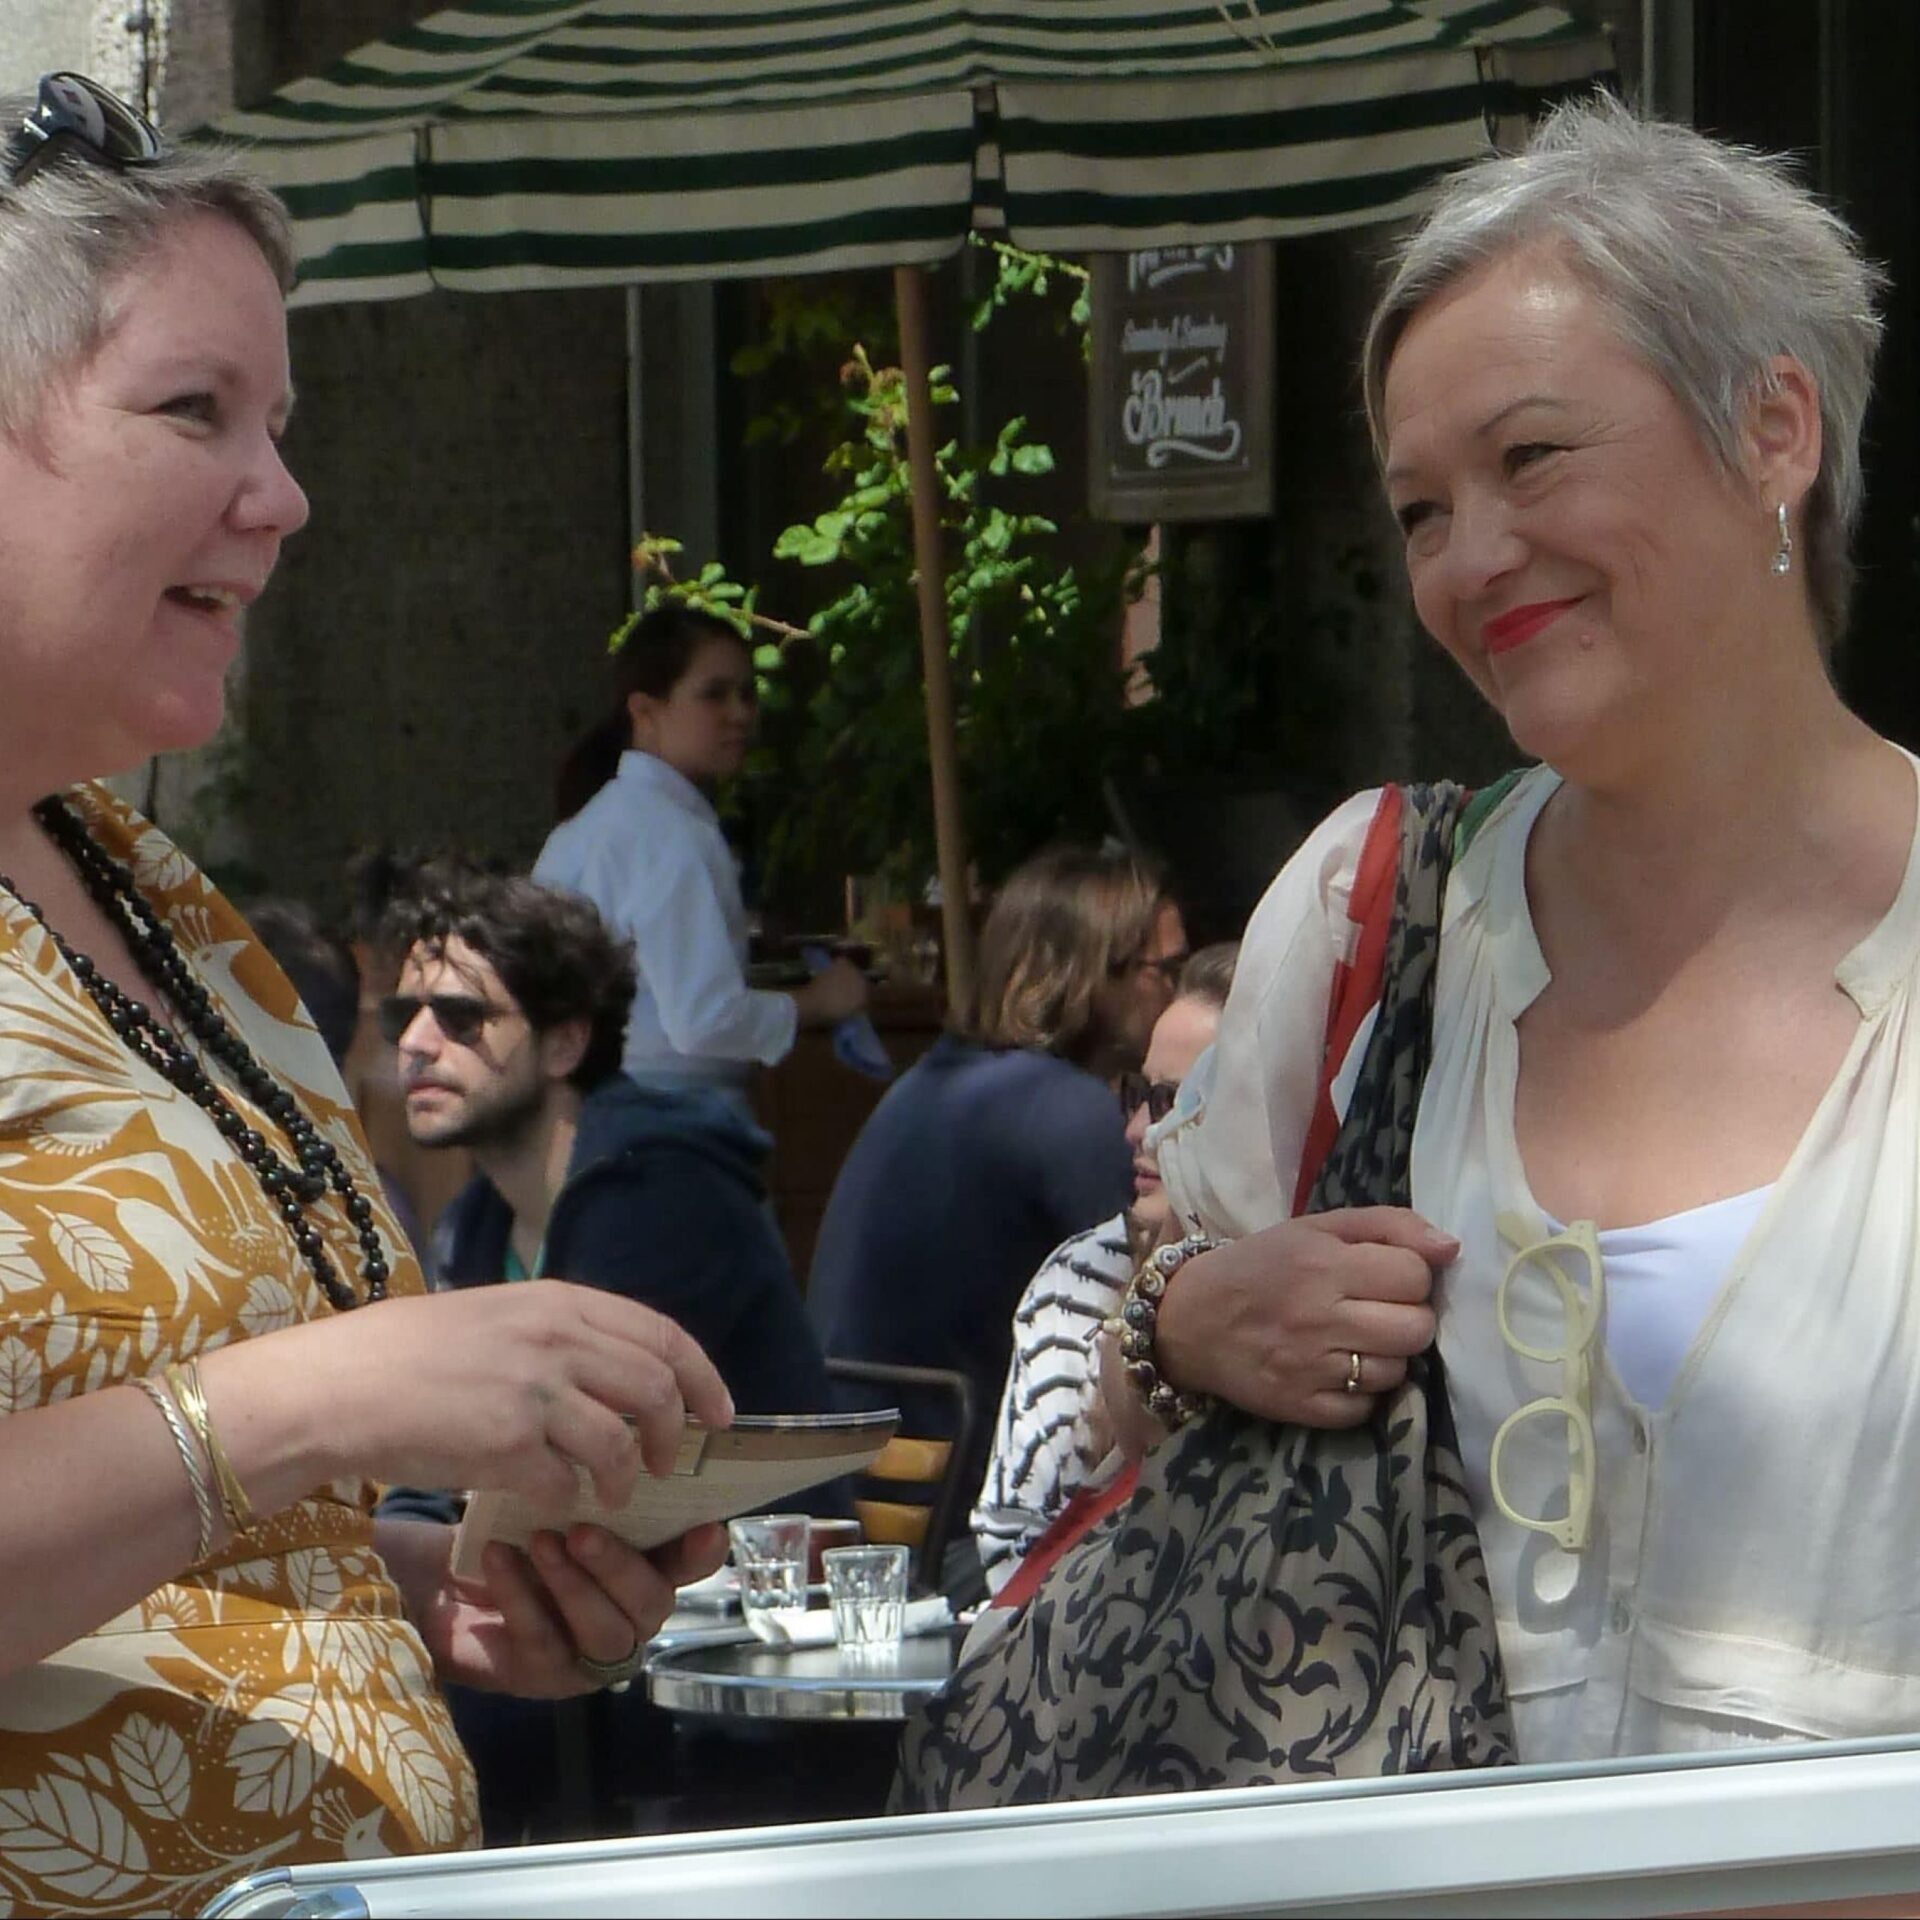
[1182, 404]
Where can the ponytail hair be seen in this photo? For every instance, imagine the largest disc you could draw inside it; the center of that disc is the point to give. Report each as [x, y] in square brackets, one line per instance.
[650, 655]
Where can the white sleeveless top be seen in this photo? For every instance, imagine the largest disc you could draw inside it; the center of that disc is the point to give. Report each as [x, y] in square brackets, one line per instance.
[1662, 1279]
[1754, 1572]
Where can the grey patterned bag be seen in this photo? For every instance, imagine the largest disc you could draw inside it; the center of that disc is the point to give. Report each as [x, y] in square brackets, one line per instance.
[1274, 1602]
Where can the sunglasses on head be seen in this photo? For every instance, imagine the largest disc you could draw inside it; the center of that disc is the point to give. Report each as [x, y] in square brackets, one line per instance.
[73, 111]
[462, 1017]
[1157, 1096]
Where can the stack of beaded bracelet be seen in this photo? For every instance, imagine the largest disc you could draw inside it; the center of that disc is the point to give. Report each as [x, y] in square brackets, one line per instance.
[1135, 1325]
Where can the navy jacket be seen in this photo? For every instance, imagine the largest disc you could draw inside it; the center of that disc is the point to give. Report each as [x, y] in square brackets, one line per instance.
[976, 1164]
[667, 1208]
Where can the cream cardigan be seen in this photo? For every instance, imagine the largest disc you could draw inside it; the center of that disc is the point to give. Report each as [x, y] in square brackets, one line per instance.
[1754, 1572]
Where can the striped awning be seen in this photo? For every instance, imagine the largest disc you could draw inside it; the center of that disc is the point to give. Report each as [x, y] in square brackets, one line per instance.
[514, 144]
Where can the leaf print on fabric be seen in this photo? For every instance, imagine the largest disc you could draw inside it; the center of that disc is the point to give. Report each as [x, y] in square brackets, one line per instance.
[158, 865]
[416, 1768]
[314, 1579]
[96, 1376]
[272, 1755]
[93, 1255]
[269, 1304]
[20, 1375]
[153, 1764]
[84, 1766]
[349, 1651]
[62, 1338]
[182, 1255]
[72, 1840]
[20, 1271]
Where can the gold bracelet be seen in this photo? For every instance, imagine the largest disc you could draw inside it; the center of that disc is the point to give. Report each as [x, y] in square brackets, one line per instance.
[1137, 1322]
[189, 1458]
[184, 1379]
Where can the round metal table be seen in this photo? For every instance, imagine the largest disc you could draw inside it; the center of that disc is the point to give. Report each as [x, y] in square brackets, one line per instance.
[736, 1676]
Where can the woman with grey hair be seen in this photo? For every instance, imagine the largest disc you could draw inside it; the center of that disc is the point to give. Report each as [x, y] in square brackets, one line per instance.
[1665, 1223]
[214, 1341]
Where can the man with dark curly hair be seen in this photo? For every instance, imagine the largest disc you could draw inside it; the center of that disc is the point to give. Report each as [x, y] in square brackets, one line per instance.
[509, 1013]
[511, 1005]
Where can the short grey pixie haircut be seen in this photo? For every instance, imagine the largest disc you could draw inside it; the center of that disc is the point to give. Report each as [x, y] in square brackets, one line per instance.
[1712, 259]
[76, 225]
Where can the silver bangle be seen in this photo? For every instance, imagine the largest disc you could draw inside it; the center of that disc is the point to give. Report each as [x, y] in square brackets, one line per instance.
[196, 1473]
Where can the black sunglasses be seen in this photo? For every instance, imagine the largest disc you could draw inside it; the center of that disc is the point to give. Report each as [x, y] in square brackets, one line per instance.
[462, 1017]
[1157, 1096]
[80, 112]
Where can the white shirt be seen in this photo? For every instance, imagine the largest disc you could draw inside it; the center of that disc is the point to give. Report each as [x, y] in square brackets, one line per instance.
[1043, 1446]
[1753, 1569]
[647, 850]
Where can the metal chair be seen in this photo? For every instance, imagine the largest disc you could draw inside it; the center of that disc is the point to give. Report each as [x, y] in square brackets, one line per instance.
[912, 1495]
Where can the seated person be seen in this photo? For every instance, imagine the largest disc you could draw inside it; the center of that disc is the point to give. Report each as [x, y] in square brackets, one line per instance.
[1003, 1138]
[513, 998]
[1052, 1430]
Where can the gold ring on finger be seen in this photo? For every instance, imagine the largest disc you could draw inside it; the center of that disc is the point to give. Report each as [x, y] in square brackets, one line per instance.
[1353, 1373]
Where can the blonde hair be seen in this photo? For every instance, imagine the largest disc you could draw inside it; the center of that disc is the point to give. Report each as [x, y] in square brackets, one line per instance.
[1064, 924]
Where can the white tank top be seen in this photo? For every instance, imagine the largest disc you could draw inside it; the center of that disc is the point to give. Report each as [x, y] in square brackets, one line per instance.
[1662, 1279]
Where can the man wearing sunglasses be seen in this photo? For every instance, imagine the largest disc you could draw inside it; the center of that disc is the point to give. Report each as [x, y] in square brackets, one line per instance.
[511, 1006]
[1049, 1435]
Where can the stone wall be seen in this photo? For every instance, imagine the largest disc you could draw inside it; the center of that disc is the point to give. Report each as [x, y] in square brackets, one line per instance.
[39, 35]
[435, 635]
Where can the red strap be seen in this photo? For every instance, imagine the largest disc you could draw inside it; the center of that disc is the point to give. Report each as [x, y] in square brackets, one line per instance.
[1084, 1511]
[1356, 981]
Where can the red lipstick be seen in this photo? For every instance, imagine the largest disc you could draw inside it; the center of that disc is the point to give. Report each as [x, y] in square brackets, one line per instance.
[1518, 625]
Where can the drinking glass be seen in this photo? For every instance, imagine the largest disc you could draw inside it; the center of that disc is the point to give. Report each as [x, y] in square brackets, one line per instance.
[770, 1556]
[867, 1590]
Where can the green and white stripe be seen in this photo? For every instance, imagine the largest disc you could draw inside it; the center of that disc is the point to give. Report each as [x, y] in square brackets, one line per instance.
[511, 144]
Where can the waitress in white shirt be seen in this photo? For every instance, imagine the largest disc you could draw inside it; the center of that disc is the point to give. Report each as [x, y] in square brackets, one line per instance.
[639, 837]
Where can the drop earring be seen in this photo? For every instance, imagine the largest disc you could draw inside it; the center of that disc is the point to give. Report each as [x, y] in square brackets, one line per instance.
[1783, 549]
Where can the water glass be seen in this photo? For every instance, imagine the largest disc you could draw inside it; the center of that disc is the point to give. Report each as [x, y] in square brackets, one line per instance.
[867, 1589]
[770, 1557]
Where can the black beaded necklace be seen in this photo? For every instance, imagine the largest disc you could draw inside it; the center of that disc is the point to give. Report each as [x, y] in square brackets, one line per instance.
[291, 1189]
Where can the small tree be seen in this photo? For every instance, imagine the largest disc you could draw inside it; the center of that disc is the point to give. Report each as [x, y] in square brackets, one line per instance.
[1038, 691]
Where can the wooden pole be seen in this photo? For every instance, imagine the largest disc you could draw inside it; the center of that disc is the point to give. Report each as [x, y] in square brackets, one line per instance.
[949, 828]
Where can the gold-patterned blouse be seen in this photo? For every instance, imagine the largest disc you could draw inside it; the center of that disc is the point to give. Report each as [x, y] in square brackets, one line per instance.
[272, 1704]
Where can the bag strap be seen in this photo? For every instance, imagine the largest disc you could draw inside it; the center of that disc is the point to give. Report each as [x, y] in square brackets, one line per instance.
[1086, 1507]
[1356, 979]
